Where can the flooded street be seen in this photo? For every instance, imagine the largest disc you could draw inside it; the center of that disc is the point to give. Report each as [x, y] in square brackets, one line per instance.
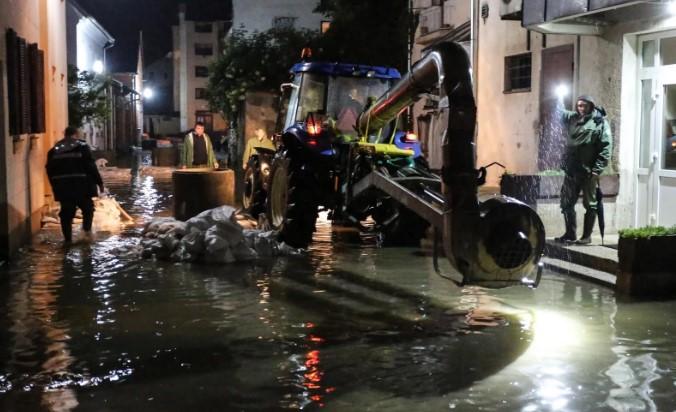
[348, 327]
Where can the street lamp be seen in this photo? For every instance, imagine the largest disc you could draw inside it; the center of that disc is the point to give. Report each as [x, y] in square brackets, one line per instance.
[148, 93]
[97, 67]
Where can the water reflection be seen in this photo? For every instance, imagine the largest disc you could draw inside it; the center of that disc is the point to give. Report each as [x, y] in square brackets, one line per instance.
[349, 327]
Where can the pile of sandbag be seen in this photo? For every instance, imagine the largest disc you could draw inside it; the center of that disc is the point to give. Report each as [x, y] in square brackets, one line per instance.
[212, 236]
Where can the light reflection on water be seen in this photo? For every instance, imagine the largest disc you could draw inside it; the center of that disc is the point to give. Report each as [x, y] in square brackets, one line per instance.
[349, 327]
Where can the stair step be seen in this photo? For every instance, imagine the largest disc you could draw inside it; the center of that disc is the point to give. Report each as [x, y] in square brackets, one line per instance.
[575, 269]
[597, 257]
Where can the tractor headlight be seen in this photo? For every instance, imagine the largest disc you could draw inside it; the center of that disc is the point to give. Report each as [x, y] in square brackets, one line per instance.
[265, 169]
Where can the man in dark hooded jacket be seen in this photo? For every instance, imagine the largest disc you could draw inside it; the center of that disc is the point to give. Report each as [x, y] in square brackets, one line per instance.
[74, 178]
[588, 149]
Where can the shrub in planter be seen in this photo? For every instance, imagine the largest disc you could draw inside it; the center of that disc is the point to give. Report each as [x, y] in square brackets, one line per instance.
[522, 187]
[647, 262]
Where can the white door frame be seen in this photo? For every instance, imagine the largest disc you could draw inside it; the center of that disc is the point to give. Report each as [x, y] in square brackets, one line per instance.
[647, 194]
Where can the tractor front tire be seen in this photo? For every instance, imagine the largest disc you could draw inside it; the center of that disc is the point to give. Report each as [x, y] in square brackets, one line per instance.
[292, 205]
[254, 195]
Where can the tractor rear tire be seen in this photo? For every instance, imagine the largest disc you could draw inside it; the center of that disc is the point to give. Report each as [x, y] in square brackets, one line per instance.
[292, 205]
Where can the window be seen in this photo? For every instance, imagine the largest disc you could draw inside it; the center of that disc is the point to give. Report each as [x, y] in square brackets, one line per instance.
[200, 93]
[326, 25]
[151, 75]
[201, 71]
[203, 28]
[25, 85]
[204, 49]
[283, 22]
[518, 73]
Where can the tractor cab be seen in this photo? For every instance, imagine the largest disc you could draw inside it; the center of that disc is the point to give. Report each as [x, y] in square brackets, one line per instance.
[328, 98]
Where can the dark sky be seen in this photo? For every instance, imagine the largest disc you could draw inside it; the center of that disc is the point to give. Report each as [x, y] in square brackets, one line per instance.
[124, 18]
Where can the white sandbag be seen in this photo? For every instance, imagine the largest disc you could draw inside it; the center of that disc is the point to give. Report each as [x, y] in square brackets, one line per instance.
[242, 252]
[169, 241]
[213, 241]
[193, 243]
[208, 218]
[181, 254]
[220, 256]
[154, 225]
[265, 246]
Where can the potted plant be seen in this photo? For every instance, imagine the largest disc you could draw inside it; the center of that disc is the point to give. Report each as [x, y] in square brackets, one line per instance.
[647, 262]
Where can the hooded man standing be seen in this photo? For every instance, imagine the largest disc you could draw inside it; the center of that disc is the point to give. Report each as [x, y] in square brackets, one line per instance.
[588, 149]
[74, 178]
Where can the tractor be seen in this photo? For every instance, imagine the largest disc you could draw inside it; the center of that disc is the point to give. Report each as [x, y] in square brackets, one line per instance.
[346, 151]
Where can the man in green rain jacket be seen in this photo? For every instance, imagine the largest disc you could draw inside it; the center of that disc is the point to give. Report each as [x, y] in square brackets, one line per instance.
[588, 149]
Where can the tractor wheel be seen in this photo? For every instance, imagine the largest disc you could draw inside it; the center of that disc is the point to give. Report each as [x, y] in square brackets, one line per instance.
[254, 195]
[399, 226]
[292, 206]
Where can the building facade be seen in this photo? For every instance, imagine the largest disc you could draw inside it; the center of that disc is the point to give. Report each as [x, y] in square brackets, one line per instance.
[196, 44]
[87, 42]
[261, 15]
[160, 119]
[627, 57]
[619, 52]
[33, 111]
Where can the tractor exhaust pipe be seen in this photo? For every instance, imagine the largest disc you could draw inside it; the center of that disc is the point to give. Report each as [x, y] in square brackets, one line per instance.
[494, 243]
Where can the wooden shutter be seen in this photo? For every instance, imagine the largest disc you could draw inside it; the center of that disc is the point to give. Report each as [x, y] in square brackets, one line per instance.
[13, 89]
[37, 89]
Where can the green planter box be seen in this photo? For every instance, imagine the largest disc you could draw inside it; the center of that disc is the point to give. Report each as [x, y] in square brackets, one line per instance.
[647, 266]
[525, 188]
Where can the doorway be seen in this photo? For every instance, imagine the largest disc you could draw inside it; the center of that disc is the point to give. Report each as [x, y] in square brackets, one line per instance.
[656, 160]
[557, 70]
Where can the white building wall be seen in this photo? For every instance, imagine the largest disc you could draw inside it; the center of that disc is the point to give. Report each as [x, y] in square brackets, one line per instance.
[24, 188]
[186, 82]
[508, 123]
[258, 15]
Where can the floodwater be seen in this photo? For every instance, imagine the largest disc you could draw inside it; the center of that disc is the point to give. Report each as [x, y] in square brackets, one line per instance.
[349, 327]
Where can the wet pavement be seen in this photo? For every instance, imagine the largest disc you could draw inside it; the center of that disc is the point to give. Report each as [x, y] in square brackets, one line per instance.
[349, 327]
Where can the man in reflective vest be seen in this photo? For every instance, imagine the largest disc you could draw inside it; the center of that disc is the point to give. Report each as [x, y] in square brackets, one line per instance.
[74, 178]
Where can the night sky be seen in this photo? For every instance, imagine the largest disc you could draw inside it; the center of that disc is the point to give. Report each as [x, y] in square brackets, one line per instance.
[124, 18]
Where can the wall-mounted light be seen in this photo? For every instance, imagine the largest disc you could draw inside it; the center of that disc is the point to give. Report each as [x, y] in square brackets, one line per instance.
[148, 93]
[97, 67]
[561, 91]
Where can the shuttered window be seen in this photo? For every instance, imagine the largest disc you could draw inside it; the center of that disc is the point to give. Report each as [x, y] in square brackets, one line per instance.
[25, 85]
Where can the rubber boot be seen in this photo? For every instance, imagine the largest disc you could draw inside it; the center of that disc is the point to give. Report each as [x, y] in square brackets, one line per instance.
[589, 221]
[67, 230]
[571, 229]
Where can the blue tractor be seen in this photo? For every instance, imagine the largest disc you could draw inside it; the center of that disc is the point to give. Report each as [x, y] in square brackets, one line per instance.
[322, 154]
[345, 151]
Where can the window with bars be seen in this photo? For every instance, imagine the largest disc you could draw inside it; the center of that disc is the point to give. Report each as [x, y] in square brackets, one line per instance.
[204, 49]
[518, 73]
[200, 93]
[201, 71]
[25, 85]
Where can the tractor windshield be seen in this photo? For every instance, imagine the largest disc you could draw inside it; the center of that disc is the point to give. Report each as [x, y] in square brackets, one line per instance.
[347, 97]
